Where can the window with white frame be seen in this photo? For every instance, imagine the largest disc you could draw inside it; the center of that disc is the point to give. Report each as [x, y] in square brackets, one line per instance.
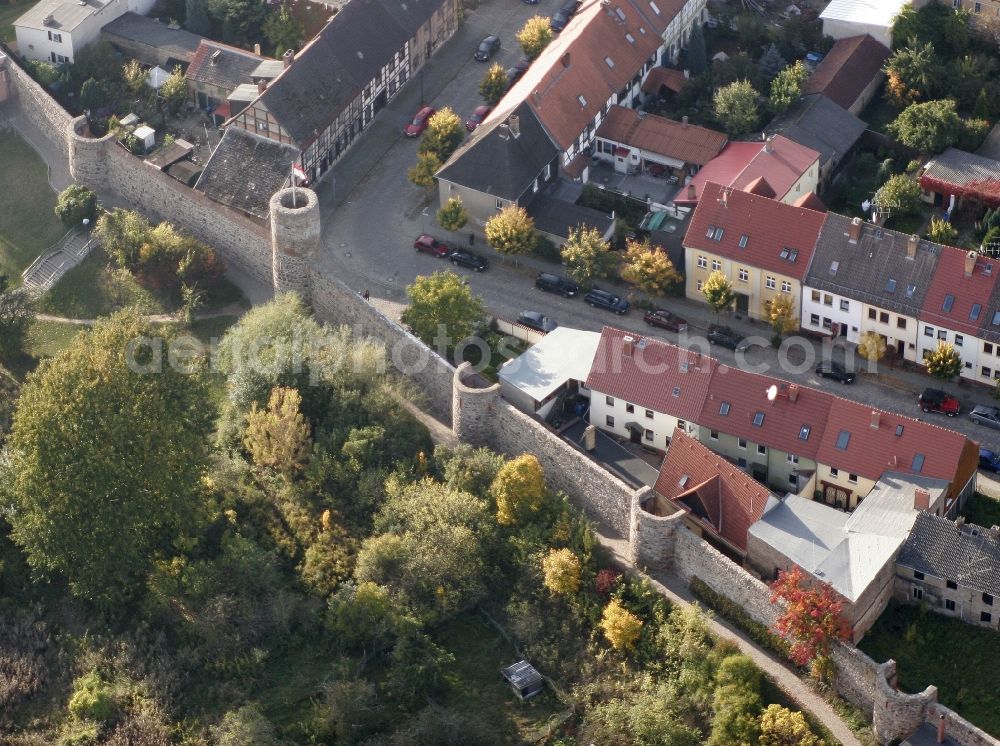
[786, 286]
[716, 265]
[845, 305]
[703, 262]
[744, 275]
[770, 282]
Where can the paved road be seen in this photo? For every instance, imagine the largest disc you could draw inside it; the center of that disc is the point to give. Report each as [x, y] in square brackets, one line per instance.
[372, 213]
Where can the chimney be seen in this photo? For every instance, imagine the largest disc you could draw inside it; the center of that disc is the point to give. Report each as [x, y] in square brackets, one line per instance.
[256, 49]
[959, 522]
[261, 86]
[769, 145]
[692, 192]
[724, 199]
[565, 60]
[684, 120]
[854, 230]
[628, 343]
[793, 392]
[876, 418]
[287, 57]
[970, 262]
[514, 125]
[940, 729]
[911, 246]
[921, 499]
[687, 74]
[215, 56]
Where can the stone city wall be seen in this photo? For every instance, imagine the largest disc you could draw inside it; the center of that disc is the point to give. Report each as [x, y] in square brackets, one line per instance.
[35, 103]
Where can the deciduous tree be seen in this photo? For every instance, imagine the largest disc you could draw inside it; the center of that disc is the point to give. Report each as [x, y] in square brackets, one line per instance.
[813, 617]
[519, 489]
[534, 36]
[871, 346]
[561, 569]
[174, 90]
[75, 204]
[944, 362]
[122, 234]
[941, 231]
[106, 460]
[494, 84]
[15, 318]
[736, 107]
[422, 174]
[444, 133]
[718, 292]
[243, 726]
[649, 268]
[196, 18]
[621, 627]
[781, 314]
[135, 77]
[284, 30]
[787, 86]
[586, 255]
[443, 300]
[512, 231]
[452, 215]
[278, 437]
[780, 726]
[929, 127]
[914, 74]
[900, 195]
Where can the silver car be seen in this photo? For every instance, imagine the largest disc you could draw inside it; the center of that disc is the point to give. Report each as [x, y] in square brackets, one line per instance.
[989, 416]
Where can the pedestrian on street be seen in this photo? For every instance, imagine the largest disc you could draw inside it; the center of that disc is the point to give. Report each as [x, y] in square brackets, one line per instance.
[365, 294]
[472, 239]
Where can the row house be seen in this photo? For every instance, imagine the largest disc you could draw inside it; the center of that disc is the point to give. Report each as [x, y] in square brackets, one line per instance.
[56, 30]
[795, 439]
[762, 246]
[598, 61]
[332, 90]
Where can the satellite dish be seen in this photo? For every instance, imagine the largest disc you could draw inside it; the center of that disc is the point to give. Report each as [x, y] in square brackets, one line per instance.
[772, 393]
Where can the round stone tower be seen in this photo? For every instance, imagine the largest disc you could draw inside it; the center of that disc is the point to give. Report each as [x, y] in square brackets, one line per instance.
[88, 156]
[897, 715]
[474, 407]
[295, 239]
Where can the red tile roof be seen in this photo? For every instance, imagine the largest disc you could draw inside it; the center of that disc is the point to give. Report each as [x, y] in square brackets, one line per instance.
[660, 77]
[232, 66]
[811, 201]
[848, 68]
[871, 451]
[730, 500]
[770, 227]
[760, 187]
[741, 163]
[949, 281]
[650, 375]
[685, 142]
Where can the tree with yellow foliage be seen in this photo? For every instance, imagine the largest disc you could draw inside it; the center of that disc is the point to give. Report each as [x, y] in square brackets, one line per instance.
[621, 627]
[649, 268]
[518, 488]
[561, 568]
[779, 726]
[278, 437]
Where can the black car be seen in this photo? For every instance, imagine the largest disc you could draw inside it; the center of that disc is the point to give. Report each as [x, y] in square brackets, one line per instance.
[836, 371]
[988, 460]
[464, 258]
[555, 284]
[598, 298]
[537, 321]
[523, 64]
[487, 48]
[513, 75]
[726, 337]
[561, 17]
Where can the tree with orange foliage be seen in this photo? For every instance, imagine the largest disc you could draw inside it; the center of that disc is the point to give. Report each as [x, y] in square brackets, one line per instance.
[814, 617]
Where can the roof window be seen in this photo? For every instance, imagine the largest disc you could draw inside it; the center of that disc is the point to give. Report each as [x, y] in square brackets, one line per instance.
[974, 313]
[610, 62]
[996, 318]
[789, 254]
[724, 409]
[682, 481]
[890, 285]
[918, 462]
[582, 100]
[804, 432]
[910, 290]
[758, 419]
[949, 302]
[743, 240]
[834, 266]
[676, 393]
[899, 430]
[843, 440]
[620, 13]
[630, 39]
[654, 6]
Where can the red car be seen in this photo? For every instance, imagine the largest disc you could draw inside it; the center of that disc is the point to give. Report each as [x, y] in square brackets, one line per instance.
[430, 245]
[477, 117]
[419, 123]
[664, 319]
[935, 400]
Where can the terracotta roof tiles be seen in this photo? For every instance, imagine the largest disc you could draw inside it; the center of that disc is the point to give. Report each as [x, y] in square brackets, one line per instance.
[685, 142]
[957, 300]
[848, 68]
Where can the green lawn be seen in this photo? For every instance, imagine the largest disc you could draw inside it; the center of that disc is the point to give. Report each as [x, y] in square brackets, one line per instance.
[10, 11]
[982, 510]
[958, 658]
[93, 289]
[28, 225]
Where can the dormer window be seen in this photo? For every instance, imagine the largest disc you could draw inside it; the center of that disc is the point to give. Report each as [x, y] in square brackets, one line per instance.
[834, 266]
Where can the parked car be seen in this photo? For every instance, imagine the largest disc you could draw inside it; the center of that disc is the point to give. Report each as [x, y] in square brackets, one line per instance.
[598, 298]
[665, 319]
[989, 416]
[537, 321]
[419, 123]
[513, 75]
[836, 371]
[477, 117]
[726, 337]
[430, 245]
[936, 400]
[464, 258]
[487, 48]
[551, 283]
[561, 17]
[523, 64]
[988, 460]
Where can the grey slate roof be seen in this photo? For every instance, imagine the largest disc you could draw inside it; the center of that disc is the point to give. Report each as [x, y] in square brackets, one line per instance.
[175, 42]
[557, 217]
[969, 555]
[245, 170]
[344, 57]
[865, 268]
[818, 123]
[495, 162]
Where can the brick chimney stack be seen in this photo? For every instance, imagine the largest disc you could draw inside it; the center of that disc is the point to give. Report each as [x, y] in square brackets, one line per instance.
[854, 230]
[921, 499]
[970, 263]
[940, 729]
[288, 57]
[911, 246]
[628, 345]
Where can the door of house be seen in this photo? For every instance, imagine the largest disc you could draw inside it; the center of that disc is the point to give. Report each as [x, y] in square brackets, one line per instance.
[835, 495]
[742, 303]
[900, 348]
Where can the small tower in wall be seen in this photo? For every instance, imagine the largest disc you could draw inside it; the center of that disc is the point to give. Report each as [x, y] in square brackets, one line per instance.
[295, 239]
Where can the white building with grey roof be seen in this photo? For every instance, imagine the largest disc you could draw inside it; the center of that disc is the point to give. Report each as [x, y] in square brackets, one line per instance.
[56, 30]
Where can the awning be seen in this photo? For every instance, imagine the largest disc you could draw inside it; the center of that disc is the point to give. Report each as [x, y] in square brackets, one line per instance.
[622, 152]
[157, 77]
[635, 427]
[222, 110]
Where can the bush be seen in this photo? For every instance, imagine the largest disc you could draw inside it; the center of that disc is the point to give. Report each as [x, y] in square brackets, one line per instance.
[92, 699]
[547, 250]
[730, 610]
[75, 204]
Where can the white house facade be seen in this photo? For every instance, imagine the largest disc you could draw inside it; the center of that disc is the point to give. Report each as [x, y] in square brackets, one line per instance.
[56, 30]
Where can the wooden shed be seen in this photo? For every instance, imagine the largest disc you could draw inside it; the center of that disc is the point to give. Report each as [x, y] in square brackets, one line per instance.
[524, 679]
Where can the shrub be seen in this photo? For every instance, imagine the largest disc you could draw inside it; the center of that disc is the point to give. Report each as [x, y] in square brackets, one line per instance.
[621, 627]
[562, 572]
[92, 699]
[75, 204]
[730, 610]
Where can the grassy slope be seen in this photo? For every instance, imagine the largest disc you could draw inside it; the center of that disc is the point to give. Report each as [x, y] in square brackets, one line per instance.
[28, 225]
[90, 290]
[9, 12]
[958, 658]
